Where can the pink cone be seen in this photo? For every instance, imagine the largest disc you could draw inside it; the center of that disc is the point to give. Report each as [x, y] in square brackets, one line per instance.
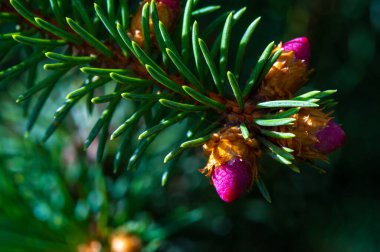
[330, 138]
[232, 179]
[172, 4]
[301, 48]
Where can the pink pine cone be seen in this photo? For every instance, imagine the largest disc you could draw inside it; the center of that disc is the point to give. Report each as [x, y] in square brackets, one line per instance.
[172, 4]
[330, 138]
[232, 179]
[301, 48]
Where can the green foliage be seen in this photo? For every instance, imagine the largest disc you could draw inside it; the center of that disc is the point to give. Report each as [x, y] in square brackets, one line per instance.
[323, 212]
[91, 50]
[39, 206]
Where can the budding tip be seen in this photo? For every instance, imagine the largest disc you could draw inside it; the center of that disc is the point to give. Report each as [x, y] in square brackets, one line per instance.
[301, 48]
[173, 4]
[330, 138]
[232, 179]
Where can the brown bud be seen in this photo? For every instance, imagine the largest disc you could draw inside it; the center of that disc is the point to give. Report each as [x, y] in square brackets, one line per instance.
[168, 12]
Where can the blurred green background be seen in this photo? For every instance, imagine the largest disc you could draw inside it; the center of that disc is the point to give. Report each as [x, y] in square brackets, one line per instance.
[338, 211]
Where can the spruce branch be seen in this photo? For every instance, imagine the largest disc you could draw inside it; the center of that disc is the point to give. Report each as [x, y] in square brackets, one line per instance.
[169, 79]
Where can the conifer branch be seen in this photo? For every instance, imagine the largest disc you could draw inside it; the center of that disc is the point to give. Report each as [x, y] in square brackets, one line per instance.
[161, 74]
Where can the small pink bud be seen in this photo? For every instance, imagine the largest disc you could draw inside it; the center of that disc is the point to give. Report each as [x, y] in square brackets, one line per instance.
[301, 48]
[330, 138]
[232, 179]
[172, 4]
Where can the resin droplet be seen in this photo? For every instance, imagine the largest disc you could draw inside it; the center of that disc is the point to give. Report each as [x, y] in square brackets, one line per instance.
[232, 179]
[330, 138]
[301, 48]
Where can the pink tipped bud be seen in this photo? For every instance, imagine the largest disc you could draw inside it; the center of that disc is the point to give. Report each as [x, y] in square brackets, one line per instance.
[172, 4]
[301, 48]
[330, 138]
[232, 179]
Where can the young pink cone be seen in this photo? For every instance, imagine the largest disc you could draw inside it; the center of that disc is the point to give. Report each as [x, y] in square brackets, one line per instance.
[232, 179]
[289, 73]
[232, 162]
[301, 48]
[172, 4]
[330, 138]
